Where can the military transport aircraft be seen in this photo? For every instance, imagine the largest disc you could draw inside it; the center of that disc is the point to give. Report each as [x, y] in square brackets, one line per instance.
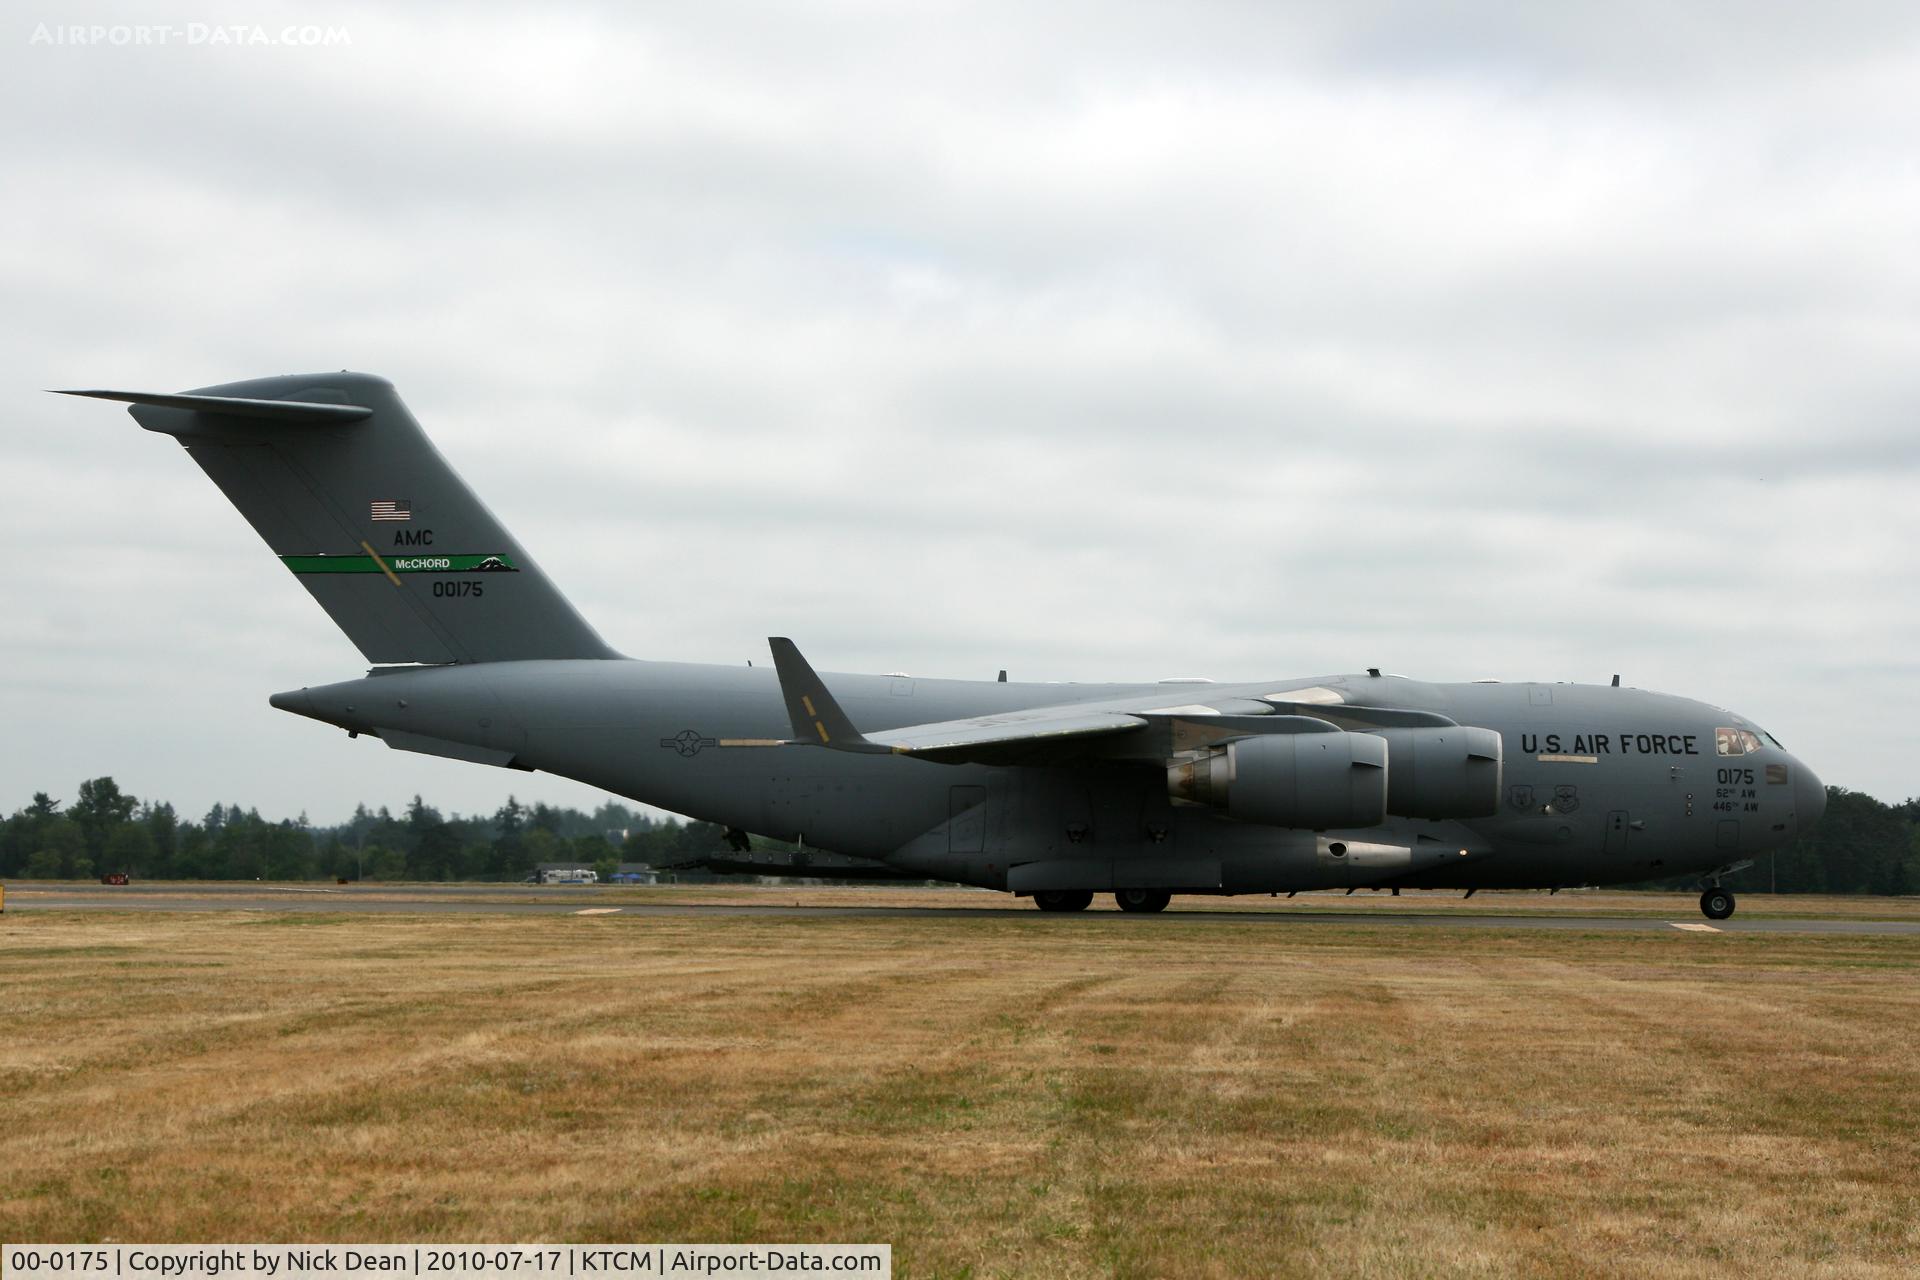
[1054, 791]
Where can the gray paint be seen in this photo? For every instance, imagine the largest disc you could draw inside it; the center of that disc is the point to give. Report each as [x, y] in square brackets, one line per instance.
[307, 488]
[1016, 786]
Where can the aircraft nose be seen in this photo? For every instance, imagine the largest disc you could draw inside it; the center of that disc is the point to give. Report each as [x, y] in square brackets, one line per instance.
[1809, 796]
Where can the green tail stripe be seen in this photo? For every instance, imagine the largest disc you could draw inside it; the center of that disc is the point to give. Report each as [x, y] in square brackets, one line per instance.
[408, 563]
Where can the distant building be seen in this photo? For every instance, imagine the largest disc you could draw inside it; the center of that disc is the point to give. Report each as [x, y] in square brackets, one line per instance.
[577, 872]
[564, 873]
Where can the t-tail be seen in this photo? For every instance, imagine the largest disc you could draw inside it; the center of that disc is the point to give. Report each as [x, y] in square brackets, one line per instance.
[334, 473]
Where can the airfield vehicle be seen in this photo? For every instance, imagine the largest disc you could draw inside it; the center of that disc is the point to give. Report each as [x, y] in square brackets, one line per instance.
[1058, 792]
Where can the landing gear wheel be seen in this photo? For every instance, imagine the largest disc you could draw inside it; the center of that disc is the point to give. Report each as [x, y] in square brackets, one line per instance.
[1062, 900]
[1142, 899]
[1716, 904]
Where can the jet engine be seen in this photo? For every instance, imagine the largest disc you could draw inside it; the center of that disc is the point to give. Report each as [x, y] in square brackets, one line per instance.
[1450, 772]
[1312, 780]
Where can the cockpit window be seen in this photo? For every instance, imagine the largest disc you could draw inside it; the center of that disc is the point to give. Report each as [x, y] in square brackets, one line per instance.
[1735, 742]
[1770, 738]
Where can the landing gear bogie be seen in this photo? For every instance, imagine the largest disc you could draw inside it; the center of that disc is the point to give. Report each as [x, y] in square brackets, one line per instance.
[1144, 900]
[1716, 903]
[1062, 900]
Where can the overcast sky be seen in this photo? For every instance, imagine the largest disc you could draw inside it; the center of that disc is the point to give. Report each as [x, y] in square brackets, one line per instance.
[1090, 341]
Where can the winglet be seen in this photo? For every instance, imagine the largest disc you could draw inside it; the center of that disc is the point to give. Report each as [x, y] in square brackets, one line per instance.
[816, 717]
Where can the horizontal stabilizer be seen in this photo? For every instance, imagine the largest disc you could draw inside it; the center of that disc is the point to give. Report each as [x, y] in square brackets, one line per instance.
[237, 407]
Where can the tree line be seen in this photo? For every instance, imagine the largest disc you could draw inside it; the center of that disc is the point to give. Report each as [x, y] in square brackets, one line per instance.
[104, 830]
[1862, 845]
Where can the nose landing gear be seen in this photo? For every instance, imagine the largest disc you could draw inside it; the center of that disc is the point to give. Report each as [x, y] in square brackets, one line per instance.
[1716, 903]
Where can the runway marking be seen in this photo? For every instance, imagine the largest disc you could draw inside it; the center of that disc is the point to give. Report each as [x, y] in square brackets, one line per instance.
[598, 911]
[295, 889]
[1693, 928]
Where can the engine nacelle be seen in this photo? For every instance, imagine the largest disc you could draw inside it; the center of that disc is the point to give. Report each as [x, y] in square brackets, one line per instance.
[1312, 780]
[1449, 772]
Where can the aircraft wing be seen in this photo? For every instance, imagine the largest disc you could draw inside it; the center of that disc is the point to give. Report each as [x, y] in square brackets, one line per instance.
[1145, 727]
[818, 720]
[1057, 735]
[1034, 729]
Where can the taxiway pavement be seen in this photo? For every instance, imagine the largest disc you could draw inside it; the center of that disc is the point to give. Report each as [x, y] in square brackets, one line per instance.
[569, 900]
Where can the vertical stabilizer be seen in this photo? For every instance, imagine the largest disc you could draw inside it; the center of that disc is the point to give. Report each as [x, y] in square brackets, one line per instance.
[334, 473]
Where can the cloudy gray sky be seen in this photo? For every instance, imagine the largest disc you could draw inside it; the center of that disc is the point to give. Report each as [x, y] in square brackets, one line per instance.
[1091, 341]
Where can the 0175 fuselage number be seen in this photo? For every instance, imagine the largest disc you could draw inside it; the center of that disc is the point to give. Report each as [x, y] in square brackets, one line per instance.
[1734, 792]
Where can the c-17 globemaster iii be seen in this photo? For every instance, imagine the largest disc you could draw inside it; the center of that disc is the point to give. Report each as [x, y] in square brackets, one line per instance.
[1057, 791]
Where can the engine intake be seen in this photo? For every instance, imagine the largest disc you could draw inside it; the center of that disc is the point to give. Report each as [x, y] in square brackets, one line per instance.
[1312, 780]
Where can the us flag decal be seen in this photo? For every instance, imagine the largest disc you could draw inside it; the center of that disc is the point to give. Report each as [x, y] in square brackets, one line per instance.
[397, 509]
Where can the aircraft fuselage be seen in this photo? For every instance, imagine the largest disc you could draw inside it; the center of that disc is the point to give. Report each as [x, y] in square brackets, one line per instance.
[1600, 784]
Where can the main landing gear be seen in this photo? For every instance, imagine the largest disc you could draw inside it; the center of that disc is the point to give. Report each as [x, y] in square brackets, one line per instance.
[1125, 899]
[1717, 904]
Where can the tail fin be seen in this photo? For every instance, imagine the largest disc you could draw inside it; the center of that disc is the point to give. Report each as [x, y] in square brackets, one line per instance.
[339, 479]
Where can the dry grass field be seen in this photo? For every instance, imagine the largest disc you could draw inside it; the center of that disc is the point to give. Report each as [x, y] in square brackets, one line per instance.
[1572, 902]
[1084, 1096]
